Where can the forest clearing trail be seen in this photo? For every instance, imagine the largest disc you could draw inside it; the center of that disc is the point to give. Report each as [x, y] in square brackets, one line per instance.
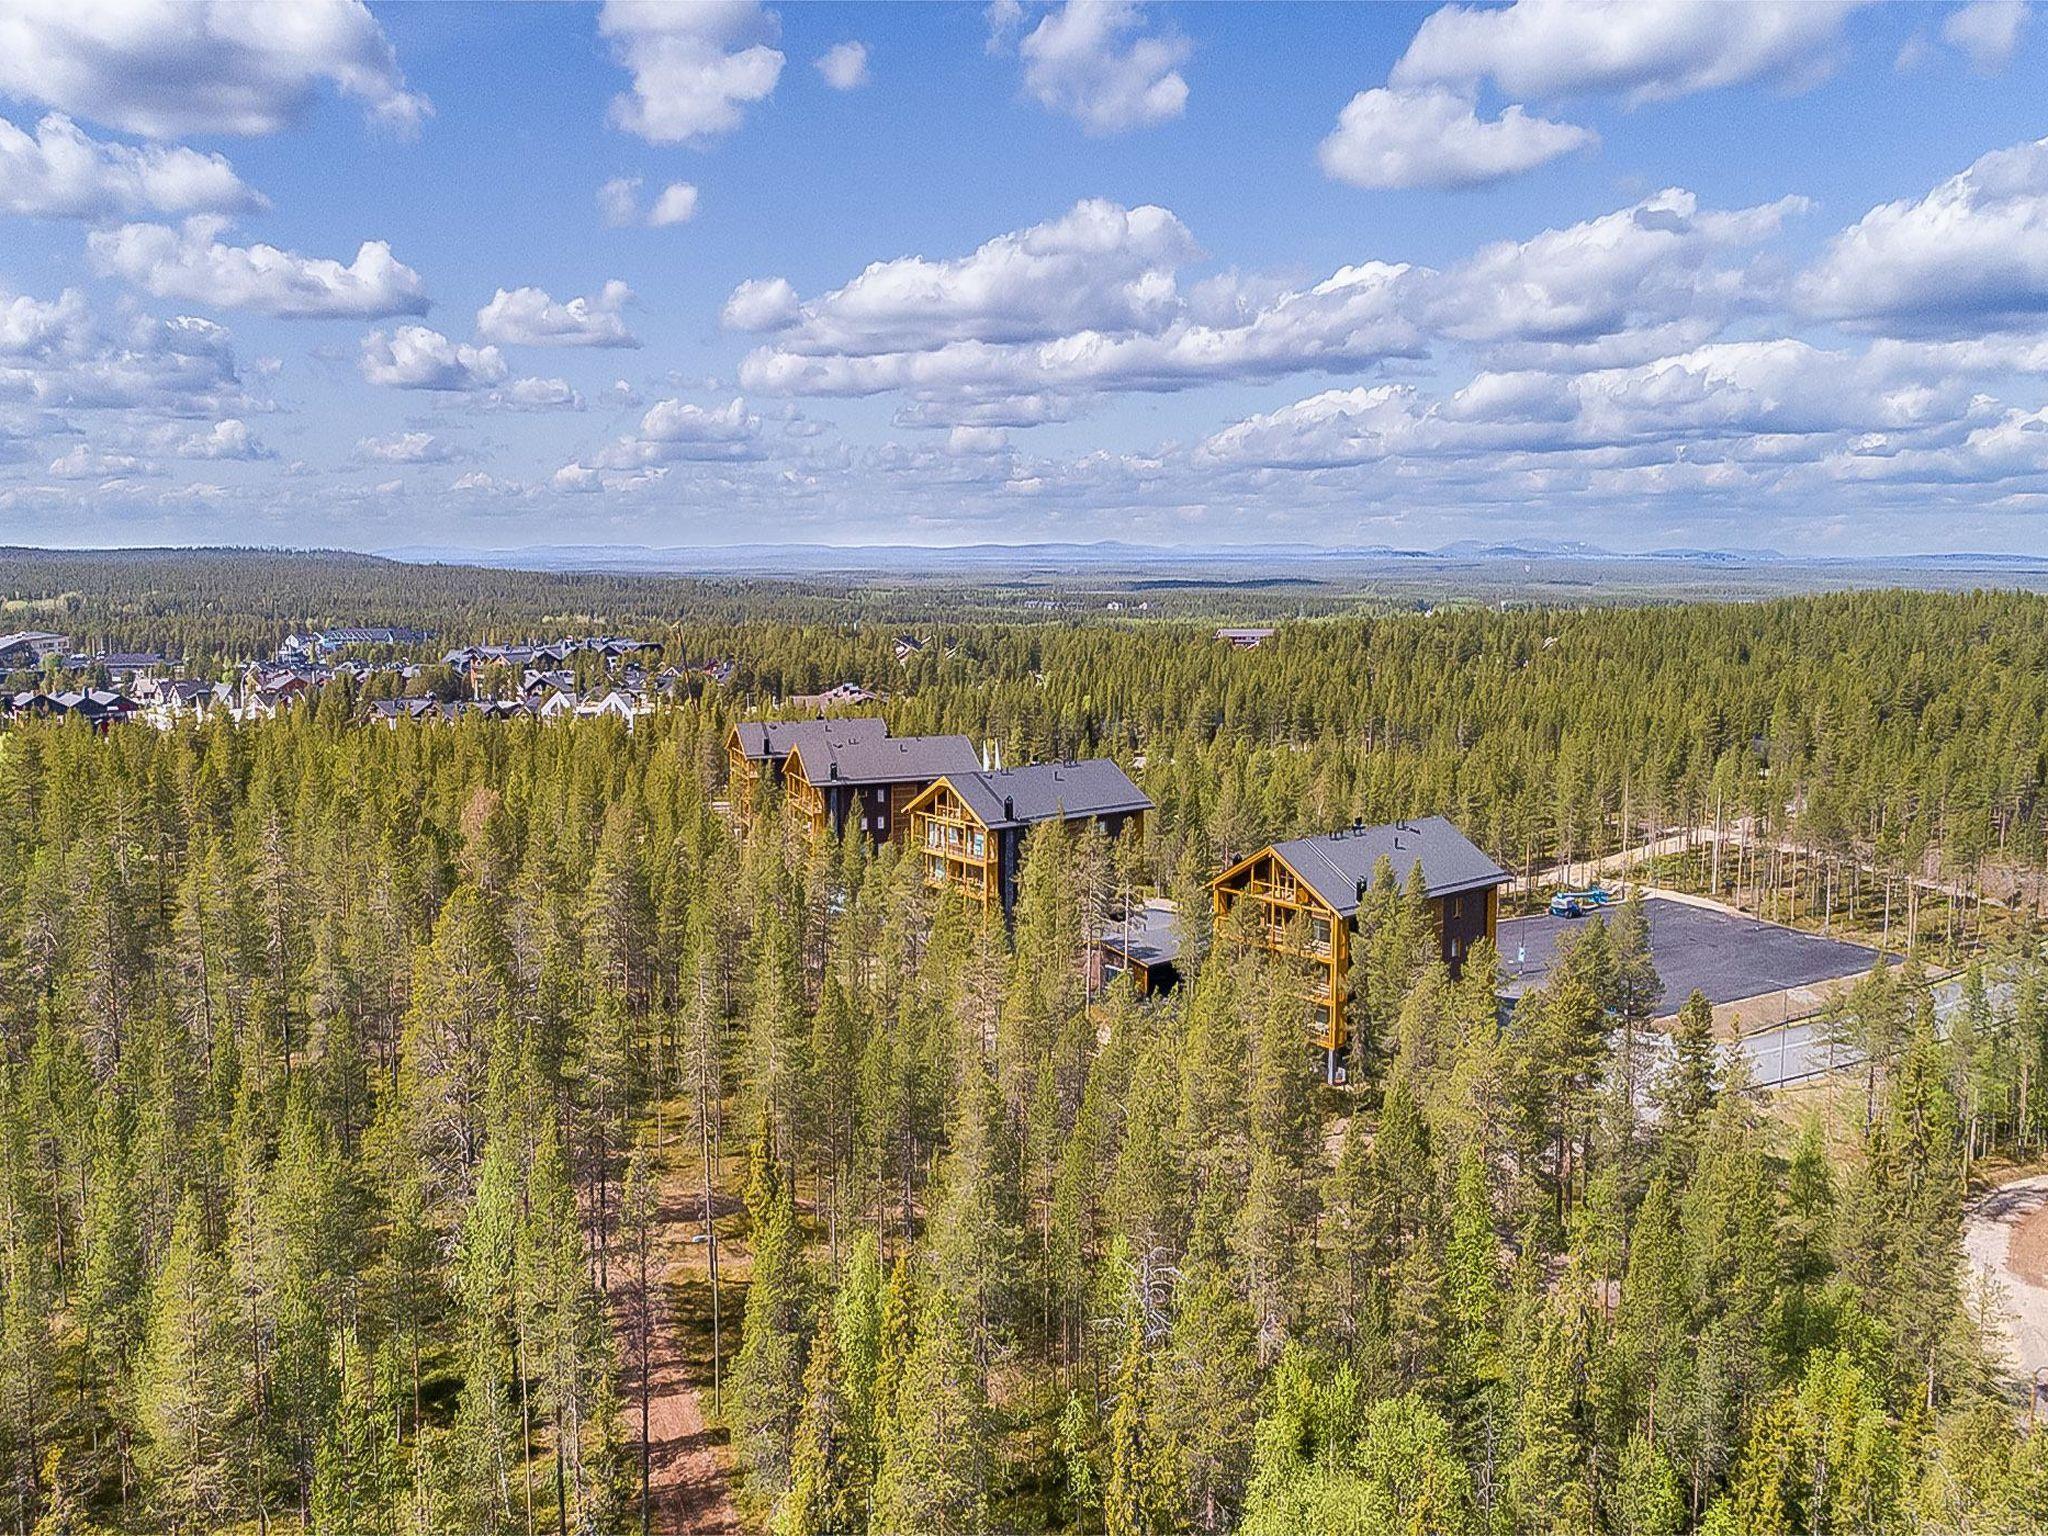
[687, 1481]
[2005, 1236]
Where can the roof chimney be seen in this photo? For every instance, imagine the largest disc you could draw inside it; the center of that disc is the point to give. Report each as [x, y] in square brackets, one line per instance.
[1009, 808]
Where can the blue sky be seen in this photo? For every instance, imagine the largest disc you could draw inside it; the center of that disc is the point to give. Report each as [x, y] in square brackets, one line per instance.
[1640, 272]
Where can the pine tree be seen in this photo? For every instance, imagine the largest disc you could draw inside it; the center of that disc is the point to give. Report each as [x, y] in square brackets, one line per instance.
[487, 1431]
[355, 1484]
[1203, 1406]
[1648, 1499]
[1472, 1292]
[935, 1457]
[767, 1375]
[826, 1493]
[186, 1392]
[1130, 1496]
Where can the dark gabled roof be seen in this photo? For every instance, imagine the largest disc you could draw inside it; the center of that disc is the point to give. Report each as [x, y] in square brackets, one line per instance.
[1338, 864]
[773, 740]
[1013, 797]
[891, 760]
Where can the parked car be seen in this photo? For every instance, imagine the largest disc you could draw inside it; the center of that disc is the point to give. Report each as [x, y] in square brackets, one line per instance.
[1579, 903]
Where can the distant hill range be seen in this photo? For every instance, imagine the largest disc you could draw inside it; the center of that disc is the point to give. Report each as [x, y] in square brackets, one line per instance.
[1115, 555]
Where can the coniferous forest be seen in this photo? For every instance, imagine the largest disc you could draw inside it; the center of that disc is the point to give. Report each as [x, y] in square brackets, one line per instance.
[388, 1116]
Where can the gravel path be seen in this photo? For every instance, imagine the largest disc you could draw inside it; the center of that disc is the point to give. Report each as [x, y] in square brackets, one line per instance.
[686, 1480]
[2005, 1235]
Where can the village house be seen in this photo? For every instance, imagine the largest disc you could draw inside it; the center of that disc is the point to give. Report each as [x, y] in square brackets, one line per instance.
[98, 707]
[166, 701]
[613, 703]
[1244, 639]
[348, 636]
[124, 664]
[839, 696]
[1305, 895]
[969, 827]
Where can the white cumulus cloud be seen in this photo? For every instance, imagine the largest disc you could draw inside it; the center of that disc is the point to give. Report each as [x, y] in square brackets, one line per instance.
[530, 317]
[534, 394]
[676, 203]
[761, 304]
[1987, 32]
[167, 68]
[62, 173]
[1640, 272]
[1085, 303]
[1100, 266]
[406, 448]
[84, 463]
[1969, 256]
[1092, 60]
[229, 439]
[619, 201]
[1432, 136]
[415, 357]
[192, 264]
[696, 67]
[56, 355]
[1646, 50]
[844, 66]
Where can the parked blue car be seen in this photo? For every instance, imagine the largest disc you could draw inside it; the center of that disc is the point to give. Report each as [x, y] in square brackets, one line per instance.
[1578, 903]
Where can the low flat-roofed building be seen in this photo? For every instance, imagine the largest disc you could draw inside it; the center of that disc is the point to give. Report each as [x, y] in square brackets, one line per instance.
[27, 648]
[1143, 944]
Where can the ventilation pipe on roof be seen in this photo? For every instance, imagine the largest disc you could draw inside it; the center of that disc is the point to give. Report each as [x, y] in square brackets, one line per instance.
[1009, 808]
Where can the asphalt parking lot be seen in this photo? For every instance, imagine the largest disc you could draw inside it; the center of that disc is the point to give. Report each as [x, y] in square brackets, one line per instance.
[1726, 957]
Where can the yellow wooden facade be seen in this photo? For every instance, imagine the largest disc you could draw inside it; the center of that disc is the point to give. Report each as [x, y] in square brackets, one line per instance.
[742, 776]
[1290, 920]
[958, 851]
[803, 799]
[808, 801]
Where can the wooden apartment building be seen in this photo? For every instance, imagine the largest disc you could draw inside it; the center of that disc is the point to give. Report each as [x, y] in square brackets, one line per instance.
[755, 751]
[872, 782]
[969, 827]
[1306, 894]
[835, 769]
